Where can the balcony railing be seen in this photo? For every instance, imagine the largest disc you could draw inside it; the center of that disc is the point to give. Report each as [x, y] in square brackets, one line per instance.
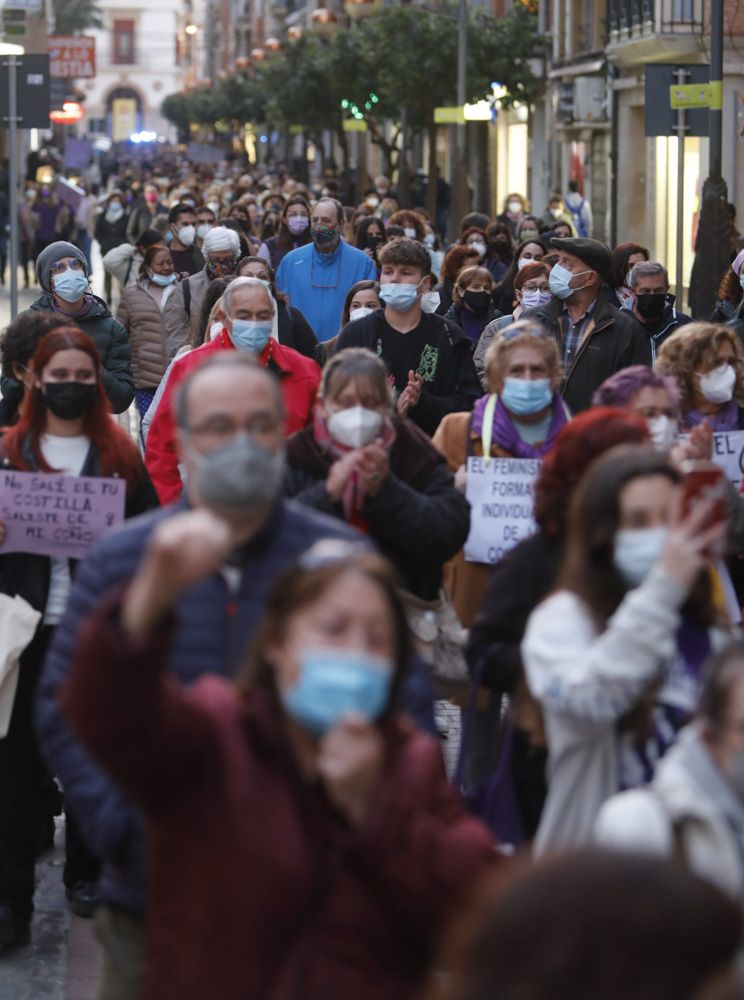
[639, 18]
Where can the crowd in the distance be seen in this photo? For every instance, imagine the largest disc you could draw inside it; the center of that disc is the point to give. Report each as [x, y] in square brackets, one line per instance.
[242, 691]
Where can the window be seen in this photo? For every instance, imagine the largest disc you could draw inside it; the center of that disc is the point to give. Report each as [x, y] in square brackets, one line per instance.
[124, 42]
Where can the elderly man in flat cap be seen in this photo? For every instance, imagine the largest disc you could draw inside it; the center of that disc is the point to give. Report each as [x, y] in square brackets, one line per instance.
[221, 250]
[62, 273]
[595, 338]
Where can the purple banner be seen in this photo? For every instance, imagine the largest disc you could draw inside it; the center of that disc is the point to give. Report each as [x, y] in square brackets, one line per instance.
[55, 515]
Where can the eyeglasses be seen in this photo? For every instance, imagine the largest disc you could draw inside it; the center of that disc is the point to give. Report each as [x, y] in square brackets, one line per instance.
[60, 266]
[531, 286]
[220, 429]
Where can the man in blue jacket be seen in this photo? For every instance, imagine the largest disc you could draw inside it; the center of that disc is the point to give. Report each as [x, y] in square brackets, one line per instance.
[230, 440]
[317, 277]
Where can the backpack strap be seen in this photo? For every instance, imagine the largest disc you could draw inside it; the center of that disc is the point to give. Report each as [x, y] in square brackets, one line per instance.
[187, 297]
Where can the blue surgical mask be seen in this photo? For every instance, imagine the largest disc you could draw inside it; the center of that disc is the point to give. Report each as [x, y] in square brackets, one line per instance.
[250, 335]
[637, 550]
[524, 396]
[399, 296]
[164, 279]
[333, 682]
[741, 279]
[70, 285]
[560, 282]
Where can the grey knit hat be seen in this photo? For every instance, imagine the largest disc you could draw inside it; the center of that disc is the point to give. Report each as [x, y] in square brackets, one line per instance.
[50, 255]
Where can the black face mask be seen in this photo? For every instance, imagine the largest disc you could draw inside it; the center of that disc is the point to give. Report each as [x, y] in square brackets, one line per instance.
[69, 400]
[478, 302]
[651, 305]
[500, 244]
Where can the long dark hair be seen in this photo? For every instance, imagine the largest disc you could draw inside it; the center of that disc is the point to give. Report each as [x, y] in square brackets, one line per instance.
[504, 291]
[317, 571]
[588, 566]
[620, 256]
[117, 454]
[285, 240]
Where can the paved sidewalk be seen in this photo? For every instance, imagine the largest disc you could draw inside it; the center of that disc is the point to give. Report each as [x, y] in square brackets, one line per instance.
[62, 962]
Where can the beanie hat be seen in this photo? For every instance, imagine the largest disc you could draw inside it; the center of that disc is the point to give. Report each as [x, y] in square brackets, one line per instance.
[50, 255]
[221, 238]
[594, 254]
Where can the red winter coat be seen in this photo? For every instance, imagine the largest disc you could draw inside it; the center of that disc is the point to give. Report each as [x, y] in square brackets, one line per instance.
[258, 889]
[299, 378]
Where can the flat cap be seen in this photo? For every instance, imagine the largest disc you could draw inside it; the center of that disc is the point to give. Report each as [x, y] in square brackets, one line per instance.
[594, 254]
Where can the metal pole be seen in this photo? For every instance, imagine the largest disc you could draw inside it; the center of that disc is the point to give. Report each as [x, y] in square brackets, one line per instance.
[680, 76]
[715, 114]
[13, 65]
[460, 194]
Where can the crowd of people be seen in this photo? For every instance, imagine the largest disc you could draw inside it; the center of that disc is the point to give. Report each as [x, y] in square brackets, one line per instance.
[238, 692]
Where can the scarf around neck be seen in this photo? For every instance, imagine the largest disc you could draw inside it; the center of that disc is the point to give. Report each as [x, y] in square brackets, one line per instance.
[505, 433]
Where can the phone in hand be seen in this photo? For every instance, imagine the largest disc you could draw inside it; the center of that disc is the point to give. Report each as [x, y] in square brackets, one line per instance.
[703, 480]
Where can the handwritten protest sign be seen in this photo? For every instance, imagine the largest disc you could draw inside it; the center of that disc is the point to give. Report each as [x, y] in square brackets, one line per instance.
[728, 453]
[501, 506]
[55, 515]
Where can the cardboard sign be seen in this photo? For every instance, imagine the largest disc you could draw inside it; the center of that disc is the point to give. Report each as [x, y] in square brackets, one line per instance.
[501, 496]
[55, 515]
[72, 56]
[728, 453]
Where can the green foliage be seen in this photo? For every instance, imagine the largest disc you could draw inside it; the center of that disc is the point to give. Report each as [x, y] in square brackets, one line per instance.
[405, 56]
[74, 16]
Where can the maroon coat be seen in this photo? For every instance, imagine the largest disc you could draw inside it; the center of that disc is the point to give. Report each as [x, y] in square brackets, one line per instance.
[258, 889]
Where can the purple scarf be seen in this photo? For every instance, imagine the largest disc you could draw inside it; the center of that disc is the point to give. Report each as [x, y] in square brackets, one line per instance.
[88, 300]
[725, 420]
[506, 435]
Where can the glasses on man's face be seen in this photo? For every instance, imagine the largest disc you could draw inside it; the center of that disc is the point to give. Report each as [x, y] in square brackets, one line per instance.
[220, 429]
[60, 266]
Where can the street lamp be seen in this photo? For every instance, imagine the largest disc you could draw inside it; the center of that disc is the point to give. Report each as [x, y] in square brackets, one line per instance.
[11, 53]
[191, 29]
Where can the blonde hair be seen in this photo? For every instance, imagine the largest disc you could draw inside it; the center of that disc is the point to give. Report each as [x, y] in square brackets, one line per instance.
[695, 346]
[522, 334]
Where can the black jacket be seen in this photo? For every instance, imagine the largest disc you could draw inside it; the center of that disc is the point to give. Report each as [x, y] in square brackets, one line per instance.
[658, 332]
[110, 234]
[454, 387]
[418, 520]
[455, 315]
[113, 347]
[614, 341]
[294, 330]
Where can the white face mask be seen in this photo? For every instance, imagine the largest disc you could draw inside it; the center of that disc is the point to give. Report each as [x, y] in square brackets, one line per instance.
[359, 313]
[637, 550]
[202, 229]
[514, 207]
[663, 431]
[187, 235]
[523, 262]
[215, 329]
[718, 385]
[410, 232]
[480, 247]
[354, 427]
[430, 302]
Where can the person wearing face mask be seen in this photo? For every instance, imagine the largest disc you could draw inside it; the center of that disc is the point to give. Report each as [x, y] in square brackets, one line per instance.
[504, 294]
[363, 299]
[250, 326]
[433, 244]
[61, 271]
[230, 440]
[122, 262]
[65, 427]
[316, 277]
[370, 236]
[110, 229]
[651, 304]
[144, 212]
[730, 301]
[519, 418]
[429, 360]
[472, 303]
[475, 238]
[205, 220]
[499, 249]
[624, 257]
[293, 330]
[294, 232]
[141, 312]
[694, 807]
[707, 361]
[51, 218]
[305, 767]
[556, 212]
[514, 209]
[528, 228]
[360, 462]
[615, 655]
[595, 338]
[456, 258]
[17, 345]
[221, 251]
[412, 223]
[181, 237]
[530, 291]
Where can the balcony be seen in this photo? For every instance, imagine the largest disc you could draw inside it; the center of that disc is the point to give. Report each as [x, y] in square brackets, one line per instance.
[644, 31]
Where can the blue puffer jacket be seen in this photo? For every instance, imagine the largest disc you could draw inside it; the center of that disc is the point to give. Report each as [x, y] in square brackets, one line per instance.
[214, 629]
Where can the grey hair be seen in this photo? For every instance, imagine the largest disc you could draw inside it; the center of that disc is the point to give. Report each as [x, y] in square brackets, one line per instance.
[227, 295]
[222, 359]
[647, 269]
